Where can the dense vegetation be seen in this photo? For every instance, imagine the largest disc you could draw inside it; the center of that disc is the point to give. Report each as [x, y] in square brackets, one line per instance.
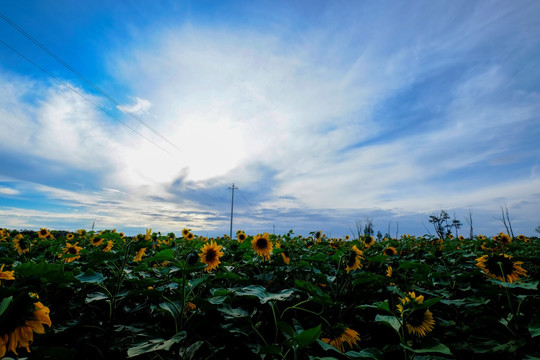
[102, 295]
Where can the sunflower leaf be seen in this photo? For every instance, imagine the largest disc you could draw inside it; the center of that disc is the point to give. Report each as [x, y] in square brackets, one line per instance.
[430, 346]
[163, 255]
[520, 285]
[534, 325]
[91, 277]
[391, 321]
[232, 313]
[263, 295]
[155, 345]
[5, 303]
[381, 305]
[306, 337]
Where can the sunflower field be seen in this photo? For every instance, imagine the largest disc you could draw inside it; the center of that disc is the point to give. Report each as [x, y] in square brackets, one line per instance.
[103, 295]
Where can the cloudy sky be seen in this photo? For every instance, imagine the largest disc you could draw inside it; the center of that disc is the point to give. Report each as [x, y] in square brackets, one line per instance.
[138, 114]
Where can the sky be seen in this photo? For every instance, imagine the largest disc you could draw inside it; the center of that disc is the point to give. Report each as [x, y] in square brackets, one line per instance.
[137, 114]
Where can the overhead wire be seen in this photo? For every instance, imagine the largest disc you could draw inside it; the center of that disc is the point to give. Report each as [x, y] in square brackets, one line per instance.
[81, 95]
[82, 77]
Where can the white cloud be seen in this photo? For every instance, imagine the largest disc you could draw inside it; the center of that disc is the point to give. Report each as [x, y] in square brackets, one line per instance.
[8, 191]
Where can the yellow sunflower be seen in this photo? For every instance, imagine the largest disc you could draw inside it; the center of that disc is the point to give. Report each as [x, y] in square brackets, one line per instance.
[3, 344]
[354, 259]
[240, 236]
[390, 251]
[185, 232]
[417, 322]
[109, 246]
[139, 255]
[21, 244]
[70, 236]
[347, 336]
[420, 323]
[389, 271]
[210, 254]
[285, 256]
[72, 251]
[42, 233]
[148, 234]
[6, 275]
[369, 241]
[262, 245]
[503, 238]
[501, 267]
[96, 241]
[23, 335]
[190, 236]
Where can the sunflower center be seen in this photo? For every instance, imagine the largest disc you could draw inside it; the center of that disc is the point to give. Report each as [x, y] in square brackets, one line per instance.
[352, 259]
[389, 252]
[416, 318]
[22, 245]
[72, 250]
[210, 254]
[500, 265]
[262, 243]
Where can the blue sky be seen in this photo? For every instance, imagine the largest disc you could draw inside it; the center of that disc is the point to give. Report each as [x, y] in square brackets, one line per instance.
[322, 113]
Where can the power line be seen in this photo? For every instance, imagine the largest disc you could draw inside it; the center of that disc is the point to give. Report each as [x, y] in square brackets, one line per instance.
[67, 66]
[81, 95]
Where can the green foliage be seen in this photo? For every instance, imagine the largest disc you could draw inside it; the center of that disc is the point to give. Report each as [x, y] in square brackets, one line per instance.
[107, 303]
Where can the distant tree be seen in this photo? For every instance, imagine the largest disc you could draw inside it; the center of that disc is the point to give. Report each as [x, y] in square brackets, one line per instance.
[379, 235]
[456, 224]
[368, 227]
[440, 223]
[537, 229]
[505, 219]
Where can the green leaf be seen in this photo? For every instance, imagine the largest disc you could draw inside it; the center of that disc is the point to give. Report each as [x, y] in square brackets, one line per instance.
[271, 349]
[391, 321]
[534, 325]
[232, 313]
[192, 349]
[170, 308]
[520, 285]
[91, 277]
[48, 273]
[5, 304]
[95, 296]
[163, 255]
[286, 329]
[263, 295]
[370, 353]
[155, 345]
[430, 346]
[381, 305]
[306, 337]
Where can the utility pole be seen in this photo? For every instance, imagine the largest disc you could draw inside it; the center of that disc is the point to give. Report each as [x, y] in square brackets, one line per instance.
[232, 207]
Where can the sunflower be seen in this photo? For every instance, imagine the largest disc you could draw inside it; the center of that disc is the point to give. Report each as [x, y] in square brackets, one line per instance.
[417, 322]
[262, 245]
[522, 238]
[347, 336]
[109, 246]
[190, 306]
[353, 259]
[70, 236]
[190, 236]
[390, 251]
[3, 344]
[21, 244]
[369, 241]
[148, 234]
[501, 267]
[185, 232]
[81, 232]
[347, 237]
[503, 239]
[318, 235]
[420, 323]
[210, 254]
[42, 233]
[240, 236]
[285, 256]
[139, 255]
[96, 241]
[72, 251]
[23, 335]
[389, 271]
[6, 275]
